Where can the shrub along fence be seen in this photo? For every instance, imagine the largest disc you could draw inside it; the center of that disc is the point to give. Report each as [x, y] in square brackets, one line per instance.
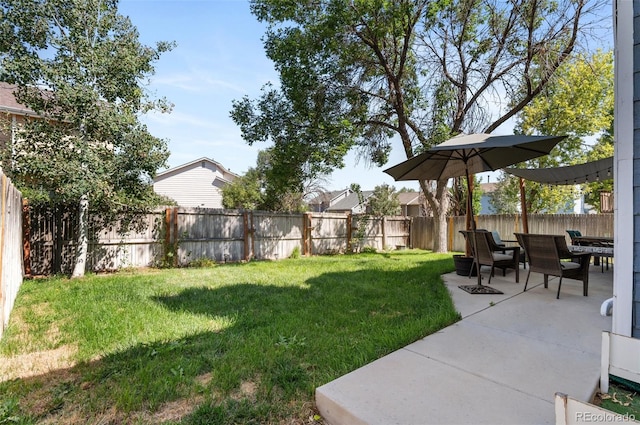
[178, 236]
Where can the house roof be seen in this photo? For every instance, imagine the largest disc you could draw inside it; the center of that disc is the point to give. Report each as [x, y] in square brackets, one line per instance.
[196, 161]
[488, 187]
[409, 198]
[8, 102]
[328, 196]
[350, 202]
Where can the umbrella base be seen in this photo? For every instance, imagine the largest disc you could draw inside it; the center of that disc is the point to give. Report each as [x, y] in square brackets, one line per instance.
[479, 289]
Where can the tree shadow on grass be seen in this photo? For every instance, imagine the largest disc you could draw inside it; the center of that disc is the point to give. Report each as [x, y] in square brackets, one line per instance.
[276, 344]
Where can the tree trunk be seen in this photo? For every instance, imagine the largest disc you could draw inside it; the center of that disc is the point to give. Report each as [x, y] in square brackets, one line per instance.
[82, 242]
[438, 199]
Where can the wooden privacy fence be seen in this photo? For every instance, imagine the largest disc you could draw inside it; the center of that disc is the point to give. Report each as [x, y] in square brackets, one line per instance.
[10, 247]
[230, 235]
[178, 236]
[508, 224]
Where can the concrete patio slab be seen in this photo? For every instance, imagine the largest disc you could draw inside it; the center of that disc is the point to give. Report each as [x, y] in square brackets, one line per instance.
[501, 364]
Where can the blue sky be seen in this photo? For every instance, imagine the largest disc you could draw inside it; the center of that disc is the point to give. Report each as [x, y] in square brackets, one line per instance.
[219, 57]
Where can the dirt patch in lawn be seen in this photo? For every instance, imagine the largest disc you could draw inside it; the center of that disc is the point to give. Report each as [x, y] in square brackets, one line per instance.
[37, 363]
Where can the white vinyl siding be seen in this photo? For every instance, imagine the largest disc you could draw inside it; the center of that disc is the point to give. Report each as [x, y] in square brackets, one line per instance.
[198, 184]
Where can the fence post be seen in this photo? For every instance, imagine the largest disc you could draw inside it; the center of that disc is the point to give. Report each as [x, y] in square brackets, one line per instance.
[176, 238]
[26, 237]
[349, 231]
[171, 235]
[306, 232]
[57, 235]
[384, 232]
[167, 233]
[248, 233]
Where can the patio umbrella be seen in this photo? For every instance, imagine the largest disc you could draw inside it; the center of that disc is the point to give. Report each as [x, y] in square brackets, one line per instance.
[469, 154]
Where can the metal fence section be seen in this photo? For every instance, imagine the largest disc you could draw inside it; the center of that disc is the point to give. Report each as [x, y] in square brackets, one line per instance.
[11, 259]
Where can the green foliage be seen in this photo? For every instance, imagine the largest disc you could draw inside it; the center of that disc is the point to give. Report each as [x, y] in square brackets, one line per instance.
[602, 149]
[244, 192]
[303, 149]
[505, 199]
[80, 66]
[579, 103]
[238, 343]
[295, 253]
[203, 262]
[384, 201]
[458, 192]
[367, 74]
[622, 399]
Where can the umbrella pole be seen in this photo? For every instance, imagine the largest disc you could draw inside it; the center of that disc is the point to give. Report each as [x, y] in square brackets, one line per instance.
[471, 223]
[523, 207]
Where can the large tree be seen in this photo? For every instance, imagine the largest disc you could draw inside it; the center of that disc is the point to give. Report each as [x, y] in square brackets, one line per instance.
[577, 103]
[81, 67]
[371, 73]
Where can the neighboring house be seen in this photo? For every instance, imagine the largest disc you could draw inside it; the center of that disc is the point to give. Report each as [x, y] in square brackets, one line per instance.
[12, 114]
[411, 204]
[197, 183]
[351, 203]
[578, 206]
[626, 176]
[327, 199]
[485, 200]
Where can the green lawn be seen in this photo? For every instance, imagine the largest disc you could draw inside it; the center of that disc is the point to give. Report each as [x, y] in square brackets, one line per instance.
[235, 343]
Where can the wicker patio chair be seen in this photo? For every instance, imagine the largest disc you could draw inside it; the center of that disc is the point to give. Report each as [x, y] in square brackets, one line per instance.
[497, 240]
[546, 253]
[573, 234]
[487, 253]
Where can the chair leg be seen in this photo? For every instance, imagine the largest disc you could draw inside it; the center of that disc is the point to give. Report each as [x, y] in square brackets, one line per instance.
[585, 286]
[490, 274]
[559, 285]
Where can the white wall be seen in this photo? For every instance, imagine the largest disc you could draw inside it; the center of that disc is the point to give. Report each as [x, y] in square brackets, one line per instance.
[192, 186]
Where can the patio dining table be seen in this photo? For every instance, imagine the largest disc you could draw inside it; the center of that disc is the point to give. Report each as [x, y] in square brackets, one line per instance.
[598, 246]
[593, 240]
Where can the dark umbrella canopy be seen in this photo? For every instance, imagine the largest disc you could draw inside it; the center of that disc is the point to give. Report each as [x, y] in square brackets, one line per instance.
[472, 153]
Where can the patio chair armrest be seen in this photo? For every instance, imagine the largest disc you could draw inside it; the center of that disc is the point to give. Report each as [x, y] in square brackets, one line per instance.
[515, 249]
[583, 257]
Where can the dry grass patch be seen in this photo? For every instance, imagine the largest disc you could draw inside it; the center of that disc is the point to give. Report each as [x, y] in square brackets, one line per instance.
[37, 363]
